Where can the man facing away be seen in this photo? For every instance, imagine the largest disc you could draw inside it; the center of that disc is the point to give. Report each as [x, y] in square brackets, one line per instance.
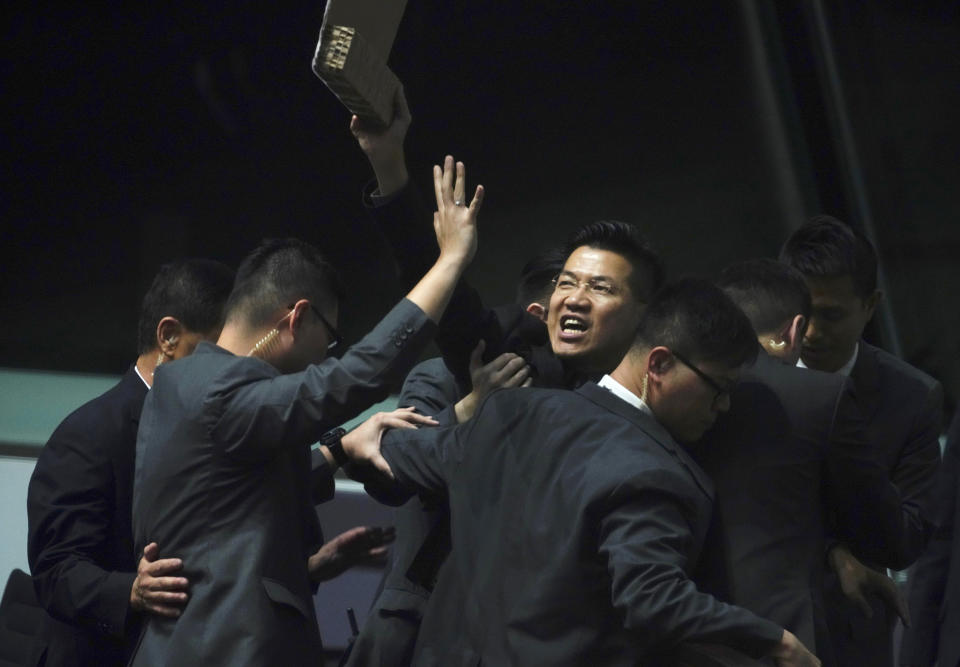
[901, 404]
[577, 517]
[390, 630]
[791, 449]
[223, 452]
[80, 541]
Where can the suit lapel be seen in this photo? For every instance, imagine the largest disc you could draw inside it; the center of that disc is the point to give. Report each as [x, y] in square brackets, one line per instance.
[865, 375]
[646, 423]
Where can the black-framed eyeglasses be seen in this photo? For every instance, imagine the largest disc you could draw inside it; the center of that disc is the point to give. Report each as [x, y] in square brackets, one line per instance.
[335, 337]
[716, 386]
[567, 282]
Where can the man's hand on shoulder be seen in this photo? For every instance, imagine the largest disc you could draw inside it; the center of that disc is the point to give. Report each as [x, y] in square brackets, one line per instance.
[507, 370]
[155, 589]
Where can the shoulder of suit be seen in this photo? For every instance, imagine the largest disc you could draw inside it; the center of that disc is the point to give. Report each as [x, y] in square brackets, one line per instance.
[904, 372]
[107, 411]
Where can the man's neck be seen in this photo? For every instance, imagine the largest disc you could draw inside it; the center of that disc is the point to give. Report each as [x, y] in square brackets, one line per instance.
[146, 364]
[239, 340]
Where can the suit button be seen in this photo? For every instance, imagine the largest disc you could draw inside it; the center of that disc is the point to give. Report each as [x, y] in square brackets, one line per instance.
[409, 330]
[398, 342]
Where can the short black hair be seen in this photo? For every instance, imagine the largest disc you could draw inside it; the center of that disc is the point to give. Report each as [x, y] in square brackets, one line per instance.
[624, 239]
[276, 274]
[827, 247]
[768, 292]
[192, 290]
[694, 317]
[536, 277]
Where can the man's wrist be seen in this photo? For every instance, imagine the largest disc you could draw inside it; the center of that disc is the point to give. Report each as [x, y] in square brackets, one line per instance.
[333, 442]
[392, 175]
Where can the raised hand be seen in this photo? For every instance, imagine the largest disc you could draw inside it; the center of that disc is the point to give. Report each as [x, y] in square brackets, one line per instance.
[155, 590]
[356, 546]
[362, 444]
[383, 146]
[455, 222]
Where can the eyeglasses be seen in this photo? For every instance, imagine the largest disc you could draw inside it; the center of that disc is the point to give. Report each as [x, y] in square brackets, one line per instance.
[335, 337]
[566, 283]
[716, 386]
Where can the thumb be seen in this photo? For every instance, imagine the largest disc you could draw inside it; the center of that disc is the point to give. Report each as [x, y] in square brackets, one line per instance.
[150, 552]
[858, 598]
[476, 357]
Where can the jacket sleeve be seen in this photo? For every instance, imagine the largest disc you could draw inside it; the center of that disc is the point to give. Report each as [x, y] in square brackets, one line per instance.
[928, 579]
[430, 388]
[914, 476]
[251, 415]
[70, 511]
[645, 537]
[865, 504]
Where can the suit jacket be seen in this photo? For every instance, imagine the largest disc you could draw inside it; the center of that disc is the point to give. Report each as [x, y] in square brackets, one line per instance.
[576, 520]
[903, 408]
[390, 631]
[223, 482]
[791, 448]
[80, 544]
[935, 579]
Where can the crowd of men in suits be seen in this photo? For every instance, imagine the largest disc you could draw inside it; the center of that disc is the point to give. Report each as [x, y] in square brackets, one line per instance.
[617, 469]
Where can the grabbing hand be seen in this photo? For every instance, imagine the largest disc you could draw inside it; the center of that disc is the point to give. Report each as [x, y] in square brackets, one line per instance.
[791, 652]
[362, 444]
[454, 222]
[154, 590]
[384, 146]
[362, 544]
[857, 580]
[507, 370]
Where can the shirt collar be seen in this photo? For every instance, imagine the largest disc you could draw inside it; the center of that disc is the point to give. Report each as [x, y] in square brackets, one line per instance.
[843, 370]
[141, 376]
[625, 394]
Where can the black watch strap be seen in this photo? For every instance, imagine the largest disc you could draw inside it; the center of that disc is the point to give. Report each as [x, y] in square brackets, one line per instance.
[333, 441]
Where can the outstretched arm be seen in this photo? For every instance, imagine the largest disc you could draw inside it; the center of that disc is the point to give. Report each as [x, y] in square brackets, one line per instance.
[455, 225]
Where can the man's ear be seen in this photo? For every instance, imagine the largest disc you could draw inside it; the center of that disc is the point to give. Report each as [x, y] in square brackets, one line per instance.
[793, 336]
[538, 311]
[295, 321]
[871, 302]
[659, 362]
[169, 332]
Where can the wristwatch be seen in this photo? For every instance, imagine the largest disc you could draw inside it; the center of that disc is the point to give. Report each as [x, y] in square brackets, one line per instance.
[332, 440]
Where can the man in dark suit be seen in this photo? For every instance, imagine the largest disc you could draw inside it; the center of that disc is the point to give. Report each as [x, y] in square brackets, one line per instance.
[791, 447]
[223, 453]
[577, 517]
[78, 502]
[901, 404]
[932, 637]
[390, 631]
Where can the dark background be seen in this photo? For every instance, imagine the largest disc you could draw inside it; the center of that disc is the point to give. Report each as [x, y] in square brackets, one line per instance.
[136, 134]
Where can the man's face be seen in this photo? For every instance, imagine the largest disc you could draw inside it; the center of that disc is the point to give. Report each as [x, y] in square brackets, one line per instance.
[836, 323]
[593, 315]
[687, 404]
[312, 340]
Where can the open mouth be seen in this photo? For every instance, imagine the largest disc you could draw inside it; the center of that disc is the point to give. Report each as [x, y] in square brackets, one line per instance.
[570, 325]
